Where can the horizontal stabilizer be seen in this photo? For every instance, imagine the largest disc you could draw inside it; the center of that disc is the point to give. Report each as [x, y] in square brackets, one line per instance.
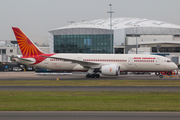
[12, 57]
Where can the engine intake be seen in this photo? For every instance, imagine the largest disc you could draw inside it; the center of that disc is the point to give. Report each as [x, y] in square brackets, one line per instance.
[113, 70]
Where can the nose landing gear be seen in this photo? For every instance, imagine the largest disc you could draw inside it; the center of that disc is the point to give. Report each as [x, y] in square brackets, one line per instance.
[169, 73]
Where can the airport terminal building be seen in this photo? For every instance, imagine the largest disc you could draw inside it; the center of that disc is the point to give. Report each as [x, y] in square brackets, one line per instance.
[94, 36]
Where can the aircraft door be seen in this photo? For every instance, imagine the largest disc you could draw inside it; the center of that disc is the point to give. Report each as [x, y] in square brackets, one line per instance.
[164, 65]
[157, 61]
[130, 61]
[79, 58]
[46, 61]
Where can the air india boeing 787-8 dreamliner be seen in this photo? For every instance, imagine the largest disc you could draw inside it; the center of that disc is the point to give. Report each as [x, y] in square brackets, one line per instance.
[106, 64]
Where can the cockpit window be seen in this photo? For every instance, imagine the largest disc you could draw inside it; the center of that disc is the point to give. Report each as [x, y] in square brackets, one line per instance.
[169, 61]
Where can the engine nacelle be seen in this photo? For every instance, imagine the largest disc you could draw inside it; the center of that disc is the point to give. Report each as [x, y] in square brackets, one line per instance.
[113, 70]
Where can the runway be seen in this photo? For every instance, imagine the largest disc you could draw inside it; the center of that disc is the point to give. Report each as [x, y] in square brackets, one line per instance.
[76, 76]
[90, 88]
[87, 115]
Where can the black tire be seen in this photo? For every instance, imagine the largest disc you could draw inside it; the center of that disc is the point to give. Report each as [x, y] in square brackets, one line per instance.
[87, 76]
[93, 76]
[169, 73]
[157, 73]
[97, 75]
[161, 76]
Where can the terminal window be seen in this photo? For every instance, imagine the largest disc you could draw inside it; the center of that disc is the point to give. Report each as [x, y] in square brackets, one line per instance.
[82, 43]
[166, 49]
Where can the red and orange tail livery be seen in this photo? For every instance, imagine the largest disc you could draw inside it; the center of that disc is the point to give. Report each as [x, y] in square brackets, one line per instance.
[27, 47]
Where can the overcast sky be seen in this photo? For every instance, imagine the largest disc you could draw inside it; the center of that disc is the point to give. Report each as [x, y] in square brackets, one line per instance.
[37, 17]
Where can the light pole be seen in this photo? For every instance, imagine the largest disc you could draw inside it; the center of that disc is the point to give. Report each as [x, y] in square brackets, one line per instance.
[110, 12]
[136, 39]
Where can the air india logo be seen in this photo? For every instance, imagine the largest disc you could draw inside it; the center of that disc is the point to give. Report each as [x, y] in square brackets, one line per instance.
[26, 46]
[110, 69]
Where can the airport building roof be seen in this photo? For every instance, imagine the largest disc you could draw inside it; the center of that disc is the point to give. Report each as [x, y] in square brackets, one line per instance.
[120, 23]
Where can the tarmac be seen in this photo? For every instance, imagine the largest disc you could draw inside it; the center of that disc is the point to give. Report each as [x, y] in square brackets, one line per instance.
[78, 76]
[87, 115]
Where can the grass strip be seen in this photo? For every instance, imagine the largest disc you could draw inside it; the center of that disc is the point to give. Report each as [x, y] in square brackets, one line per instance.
[90, 83]
[89, 101]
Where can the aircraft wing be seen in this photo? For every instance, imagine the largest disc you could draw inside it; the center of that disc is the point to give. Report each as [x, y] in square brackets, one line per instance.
[83, 63]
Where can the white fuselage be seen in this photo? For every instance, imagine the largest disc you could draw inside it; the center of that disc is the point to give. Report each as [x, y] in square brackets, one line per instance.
[127, 62]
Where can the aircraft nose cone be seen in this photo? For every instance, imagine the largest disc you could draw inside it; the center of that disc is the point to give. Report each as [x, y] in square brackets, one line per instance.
[175, 67]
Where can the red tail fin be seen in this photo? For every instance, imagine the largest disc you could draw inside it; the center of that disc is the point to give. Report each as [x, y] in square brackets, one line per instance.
[27, 47]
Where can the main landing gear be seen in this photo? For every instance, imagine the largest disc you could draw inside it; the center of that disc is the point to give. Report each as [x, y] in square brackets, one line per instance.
[92, 75]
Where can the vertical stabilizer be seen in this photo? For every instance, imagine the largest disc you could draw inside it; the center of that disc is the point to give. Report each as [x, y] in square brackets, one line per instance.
[27, 47]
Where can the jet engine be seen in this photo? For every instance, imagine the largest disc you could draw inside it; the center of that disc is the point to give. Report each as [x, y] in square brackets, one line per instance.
[113, 70]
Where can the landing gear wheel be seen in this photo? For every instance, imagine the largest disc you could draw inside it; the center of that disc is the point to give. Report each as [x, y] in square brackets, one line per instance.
[93, 76]
[160, 76]
[169, 73]
[157, 73]
[97, 75]
[88, 76]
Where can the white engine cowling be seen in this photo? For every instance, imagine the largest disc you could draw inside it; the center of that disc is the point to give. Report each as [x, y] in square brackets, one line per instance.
[113, 70]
